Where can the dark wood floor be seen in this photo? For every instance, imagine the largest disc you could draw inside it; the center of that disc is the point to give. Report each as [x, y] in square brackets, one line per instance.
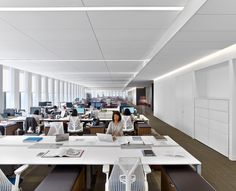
[218, 170]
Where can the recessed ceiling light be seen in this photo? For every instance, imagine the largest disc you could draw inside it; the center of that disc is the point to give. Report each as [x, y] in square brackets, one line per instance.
[69, 60]
[42, 9]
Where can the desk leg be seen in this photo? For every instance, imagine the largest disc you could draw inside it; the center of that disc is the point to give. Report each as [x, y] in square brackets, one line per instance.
[88, 176]
[198, 168]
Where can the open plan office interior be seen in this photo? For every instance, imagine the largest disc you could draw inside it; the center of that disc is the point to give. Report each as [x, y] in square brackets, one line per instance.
[117, 95]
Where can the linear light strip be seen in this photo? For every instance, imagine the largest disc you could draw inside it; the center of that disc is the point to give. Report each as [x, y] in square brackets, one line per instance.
[199, 62]
[41, 9]
[50, 60]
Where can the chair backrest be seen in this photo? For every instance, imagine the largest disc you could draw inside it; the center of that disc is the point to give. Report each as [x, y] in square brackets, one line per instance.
[56, 128]
[74, 125]
[30, 122]
[127, 174]
[5, 184]
[128, 124]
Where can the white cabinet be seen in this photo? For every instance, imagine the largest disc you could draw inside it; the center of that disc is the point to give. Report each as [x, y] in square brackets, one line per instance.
[212, 123]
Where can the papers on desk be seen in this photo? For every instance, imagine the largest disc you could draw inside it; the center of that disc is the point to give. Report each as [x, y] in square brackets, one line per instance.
[63, 152]
[32, 139]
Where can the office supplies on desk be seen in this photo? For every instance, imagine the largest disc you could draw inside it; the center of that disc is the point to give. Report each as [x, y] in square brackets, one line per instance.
[32, 139]
[63, 152]
[148, 153]
[104, 137]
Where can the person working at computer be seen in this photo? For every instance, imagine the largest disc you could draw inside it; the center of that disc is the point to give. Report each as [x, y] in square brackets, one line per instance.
[64, 112]
[115, 127]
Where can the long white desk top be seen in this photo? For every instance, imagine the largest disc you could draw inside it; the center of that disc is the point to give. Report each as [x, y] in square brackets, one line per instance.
[15, 151]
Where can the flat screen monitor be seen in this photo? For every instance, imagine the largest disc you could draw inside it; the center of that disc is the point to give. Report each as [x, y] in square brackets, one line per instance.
[69, 104]
[10, 112]
[80, 110]
[42, 103]
[131, 109]
[33, 109]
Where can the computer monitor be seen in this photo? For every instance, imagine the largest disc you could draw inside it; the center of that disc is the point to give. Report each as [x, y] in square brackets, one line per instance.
[45, 103]
[81, 110]
[131, 109]
[10, 112]
[69, 104]
[33, 109]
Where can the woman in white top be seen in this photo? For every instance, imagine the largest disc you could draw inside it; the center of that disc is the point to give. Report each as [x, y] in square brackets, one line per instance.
[128, 120]
[74, 125]
[115, 127]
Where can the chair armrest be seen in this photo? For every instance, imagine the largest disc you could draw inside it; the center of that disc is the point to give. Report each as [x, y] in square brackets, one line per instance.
[146, 169]
[21, 169]
[106, 168]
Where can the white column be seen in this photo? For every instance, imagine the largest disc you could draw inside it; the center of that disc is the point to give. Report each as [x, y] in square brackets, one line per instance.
[1, 90]
[232, 114]
[14, 88]
[27, 99]
[46, 89]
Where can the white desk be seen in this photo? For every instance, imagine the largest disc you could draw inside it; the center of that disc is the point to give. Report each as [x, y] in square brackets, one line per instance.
[15, 151]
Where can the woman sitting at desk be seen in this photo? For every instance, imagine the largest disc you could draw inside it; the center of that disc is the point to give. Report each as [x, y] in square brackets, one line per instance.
[128, 120]
[115, 127]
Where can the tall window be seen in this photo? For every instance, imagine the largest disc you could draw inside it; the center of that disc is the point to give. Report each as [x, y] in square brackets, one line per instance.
[6, 87]
[22, 90]
[34, 91]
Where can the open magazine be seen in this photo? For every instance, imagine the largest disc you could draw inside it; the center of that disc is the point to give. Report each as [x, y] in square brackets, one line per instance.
[63, 152]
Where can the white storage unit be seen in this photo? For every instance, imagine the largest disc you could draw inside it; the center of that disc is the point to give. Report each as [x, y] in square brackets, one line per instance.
[212, 123]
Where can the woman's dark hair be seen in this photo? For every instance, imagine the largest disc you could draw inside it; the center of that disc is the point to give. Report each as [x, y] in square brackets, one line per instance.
[36, 112]
[116, 113]
[127, 112]
[74, 112]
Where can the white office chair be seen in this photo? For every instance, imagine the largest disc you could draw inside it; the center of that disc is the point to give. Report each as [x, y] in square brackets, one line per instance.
[127, 174]
[6, 185]
[74, 125]
[55, 128]
[128, 124]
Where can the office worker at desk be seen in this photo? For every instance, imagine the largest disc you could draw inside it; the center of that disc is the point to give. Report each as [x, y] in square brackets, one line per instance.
[115, 127]
[74, 125]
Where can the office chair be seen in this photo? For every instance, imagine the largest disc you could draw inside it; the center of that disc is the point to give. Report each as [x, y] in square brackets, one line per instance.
[7, 185]
[74, 125]
[127, 174]
[55, 128]
[128, 124]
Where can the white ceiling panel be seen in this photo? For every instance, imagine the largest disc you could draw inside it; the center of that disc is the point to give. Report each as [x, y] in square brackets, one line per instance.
[126, 50]
[47, 20]
[61, 35]
[39, 3]
[211, 23]
[124, 66]
[205, 36]
[128, 34]
[132, 19]
[135, 2]
[219, 7]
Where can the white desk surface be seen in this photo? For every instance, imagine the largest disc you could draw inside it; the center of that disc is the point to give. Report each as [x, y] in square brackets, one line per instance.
[14, 151]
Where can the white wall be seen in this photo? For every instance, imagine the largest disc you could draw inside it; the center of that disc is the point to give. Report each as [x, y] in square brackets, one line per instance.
[164, 100]
[132, 94]
[212, 78]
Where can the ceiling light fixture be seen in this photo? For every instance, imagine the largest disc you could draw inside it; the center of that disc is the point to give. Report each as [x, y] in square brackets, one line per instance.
[201, 61]
[42, 9]
[69, 60]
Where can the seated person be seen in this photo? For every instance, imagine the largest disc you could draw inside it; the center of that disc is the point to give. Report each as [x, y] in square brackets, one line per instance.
[64, 112]
[115, 127]
[128, 120]
[32, 129]
[74, 125]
